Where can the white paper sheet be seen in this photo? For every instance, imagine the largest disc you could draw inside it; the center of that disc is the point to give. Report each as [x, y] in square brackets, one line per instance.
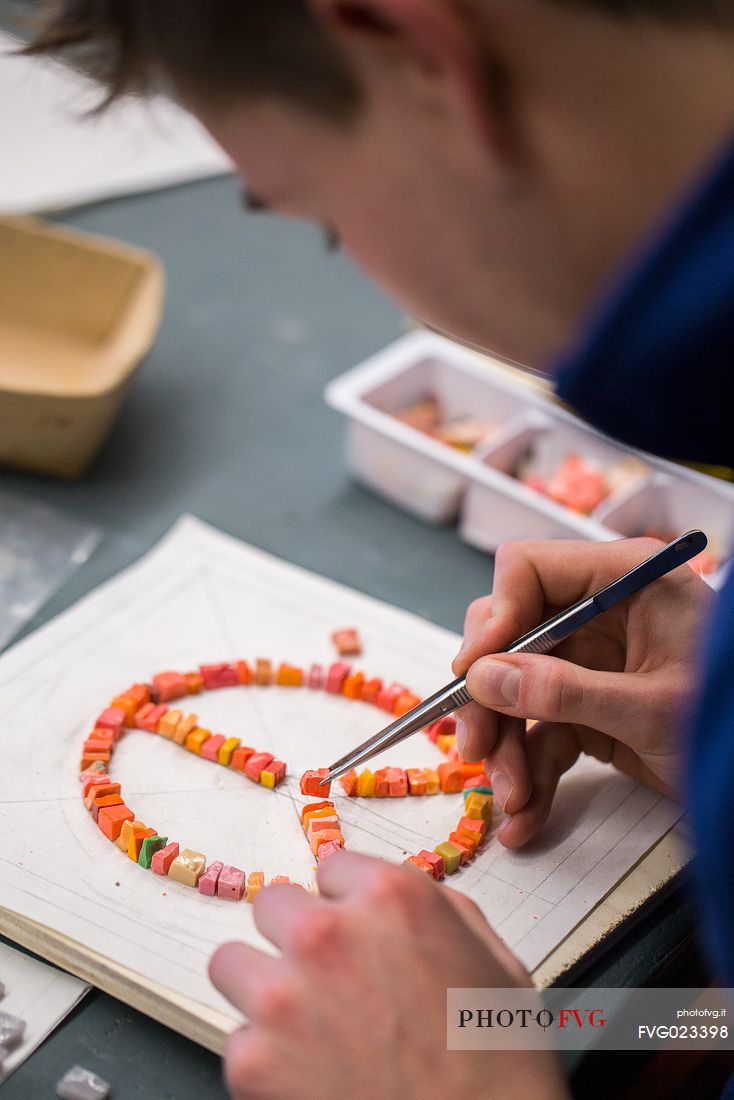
[38, 994]
[55, 156]
[200, 597]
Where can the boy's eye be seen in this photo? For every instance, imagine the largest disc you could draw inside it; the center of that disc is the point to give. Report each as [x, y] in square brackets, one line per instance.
[252, 202]
[331, 238]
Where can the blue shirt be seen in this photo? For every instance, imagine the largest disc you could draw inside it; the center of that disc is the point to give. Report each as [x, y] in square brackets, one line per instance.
[655, 367]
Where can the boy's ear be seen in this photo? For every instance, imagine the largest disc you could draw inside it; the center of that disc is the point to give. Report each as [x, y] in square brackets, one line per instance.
[445, 44]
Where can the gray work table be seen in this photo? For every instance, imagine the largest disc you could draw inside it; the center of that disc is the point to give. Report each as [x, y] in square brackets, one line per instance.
[226, 420]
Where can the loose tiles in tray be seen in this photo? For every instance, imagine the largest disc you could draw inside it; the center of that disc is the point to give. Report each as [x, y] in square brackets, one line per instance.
[538, 473]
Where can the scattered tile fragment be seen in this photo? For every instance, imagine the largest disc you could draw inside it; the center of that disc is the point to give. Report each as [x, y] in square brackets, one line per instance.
[405, 702]
[210, 878]
[219, 676]
[335, 677]
[170, 685]
[162, 860]
[347, 642]
[328, 849]
[256, 763]
[188, 867]
[421, 864]
[226, 749]
[450, 855]
[255, 883]
[12, 1029]
[231, 883]
[311, 782]
[273, 774]
[352, 686]
[263, 672]
[135, 843]
[81, 1084]
[244, 672]
[438, 866]
[149, 847]
[289, 676]
[315, 679]
[111, 820]
[210, 749]
[197, 739]
[366, 784]
[240, 756]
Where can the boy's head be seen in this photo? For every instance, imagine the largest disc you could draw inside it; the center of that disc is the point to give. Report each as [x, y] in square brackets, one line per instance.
[489, 162]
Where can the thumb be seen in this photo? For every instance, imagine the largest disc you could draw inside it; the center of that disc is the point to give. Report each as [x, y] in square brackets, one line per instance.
[551, 690]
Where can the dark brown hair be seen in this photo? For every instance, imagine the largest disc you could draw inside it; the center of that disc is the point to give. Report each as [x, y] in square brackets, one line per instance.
[216, 50]
[206, 50]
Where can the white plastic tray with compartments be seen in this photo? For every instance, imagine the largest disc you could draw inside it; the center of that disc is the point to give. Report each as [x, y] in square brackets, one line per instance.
[479, 490]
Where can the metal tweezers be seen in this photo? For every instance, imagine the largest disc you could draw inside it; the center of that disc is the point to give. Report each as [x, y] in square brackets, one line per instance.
[541, 640]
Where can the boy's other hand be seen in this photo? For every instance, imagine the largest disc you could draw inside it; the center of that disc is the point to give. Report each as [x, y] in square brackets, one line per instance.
[355, 1004]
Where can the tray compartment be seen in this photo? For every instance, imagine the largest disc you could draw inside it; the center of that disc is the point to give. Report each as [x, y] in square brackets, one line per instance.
[408, 477]
[667, 507]
[414, 470]
[542, 444]
[499, 507]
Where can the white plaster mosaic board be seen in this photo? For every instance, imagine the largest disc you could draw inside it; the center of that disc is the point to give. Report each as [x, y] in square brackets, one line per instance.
[202, 596]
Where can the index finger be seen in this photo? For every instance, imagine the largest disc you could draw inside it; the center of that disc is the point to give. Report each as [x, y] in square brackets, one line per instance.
[531, 578]
[346, 873]
[280, 910]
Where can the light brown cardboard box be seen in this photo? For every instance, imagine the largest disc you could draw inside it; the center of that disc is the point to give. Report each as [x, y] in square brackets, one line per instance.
[77, 315]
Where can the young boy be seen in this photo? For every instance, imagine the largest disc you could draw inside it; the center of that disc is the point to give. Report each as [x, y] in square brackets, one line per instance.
[554, 180]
